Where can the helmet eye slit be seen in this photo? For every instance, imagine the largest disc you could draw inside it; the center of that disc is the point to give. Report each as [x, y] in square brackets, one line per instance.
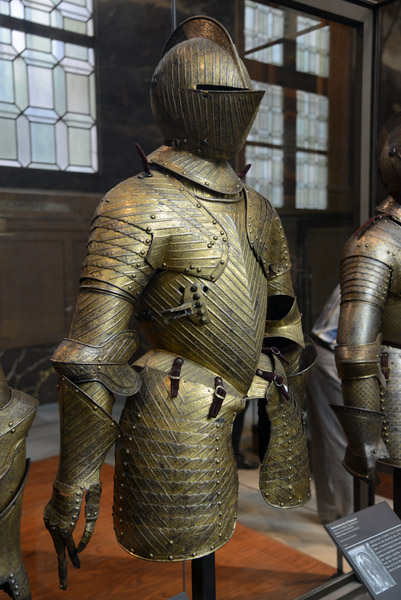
[220, 88]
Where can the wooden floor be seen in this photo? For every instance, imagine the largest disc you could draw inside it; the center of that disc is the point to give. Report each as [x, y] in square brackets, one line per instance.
[250, 567]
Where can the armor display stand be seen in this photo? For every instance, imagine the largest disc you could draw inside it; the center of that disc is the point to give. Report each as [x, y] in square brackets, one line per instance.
[204, 578]
[344, 586]
[397, 491]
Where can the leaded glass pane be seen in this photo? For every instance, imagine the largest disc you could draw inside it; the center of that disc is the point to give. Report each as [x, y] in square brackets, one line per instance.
[263, 24]
[312, 121]
[6, 81]
[80, 145]
[311, 181]
[9, 139]
[43, 143]
[313, 47]
[267, 172]
[40, 87]
[54, 103]
[24, 141]
[75, 15]
[269, 123]
[77, 93]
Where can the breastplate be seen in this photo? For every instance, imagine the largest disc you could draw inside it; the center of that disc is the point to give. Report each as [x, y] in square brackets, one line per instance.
[228, 339]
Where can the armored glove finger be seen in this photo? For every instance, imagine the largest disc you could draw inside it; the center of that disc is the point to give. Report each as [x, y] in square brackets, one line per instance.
[91, 514]
[60, 517]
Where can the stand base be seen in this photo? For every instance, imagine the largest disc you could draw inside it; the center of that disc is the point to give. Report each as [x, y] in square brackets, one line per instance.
[342, 587]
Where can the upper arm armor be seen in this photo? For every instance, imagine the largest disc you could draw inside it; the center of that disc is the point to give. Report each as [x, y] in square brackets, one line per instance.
[369, 266]
[266, 235]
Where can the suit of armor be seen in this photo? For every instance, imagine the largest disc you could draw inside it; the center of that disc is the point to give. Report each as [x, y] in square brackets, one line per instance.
[200, 259]
[17, 411]
[369, 336]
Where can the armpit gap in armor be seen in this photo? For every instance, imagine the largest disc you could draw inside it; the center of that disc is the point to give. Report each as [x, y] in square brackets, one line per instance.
[106, 363]
[363, 430]
[360, 361]
[284, 319]
[364, 279]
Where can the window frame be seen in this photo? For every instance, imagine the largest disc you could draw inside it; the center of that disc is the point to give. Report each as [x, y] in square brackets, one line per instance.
[26, 177]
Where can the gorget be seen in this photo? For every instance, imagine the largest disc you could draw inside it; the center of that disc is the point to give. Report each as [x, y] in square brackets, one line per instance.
[390, 207]
[217, 176]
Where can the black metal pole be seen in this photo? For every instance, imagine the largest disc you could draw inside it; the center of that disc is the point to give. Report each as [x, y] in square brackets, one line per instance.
[364, 494]
[173, 15]
[397, 490]
[204, 578]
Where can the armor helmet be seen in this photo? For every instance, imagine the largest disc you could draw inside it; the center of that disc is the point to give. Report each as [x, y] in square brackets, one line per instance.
[388, 153]
[201, 93]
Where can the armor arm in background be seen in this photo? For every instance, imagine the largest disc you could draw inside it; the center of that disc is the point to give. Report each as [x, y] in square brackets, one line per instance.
[17, 411]
[93, 365]
[365, 284]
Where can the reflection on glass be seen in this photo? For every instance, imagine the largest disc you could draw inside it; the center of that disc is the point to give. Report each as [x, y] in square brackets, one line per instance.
[269, 123]
[312, 120]
[311, 177]
[263, 24]
[313, 47]
[267, 172]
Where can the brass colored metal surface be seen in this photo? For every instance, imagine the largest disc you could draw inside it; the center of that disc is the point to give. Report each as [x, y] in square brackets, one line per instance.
[17, 411]
[284, 477]
[289, 327]
[201, 94]
[190, 456]
[194, 255]
[219, 177]
[106, 363]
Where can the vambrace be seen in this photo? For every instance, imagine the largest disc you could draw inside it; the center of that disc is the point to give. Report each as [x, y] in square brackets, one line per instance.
[284, 479]
[360, 361]
[88, 432]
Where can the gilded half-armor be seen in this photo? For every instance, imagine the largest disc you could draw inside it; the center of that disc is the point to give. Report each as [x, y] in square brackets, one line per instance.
[17, 411]
[369, 336]
[200, 260]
